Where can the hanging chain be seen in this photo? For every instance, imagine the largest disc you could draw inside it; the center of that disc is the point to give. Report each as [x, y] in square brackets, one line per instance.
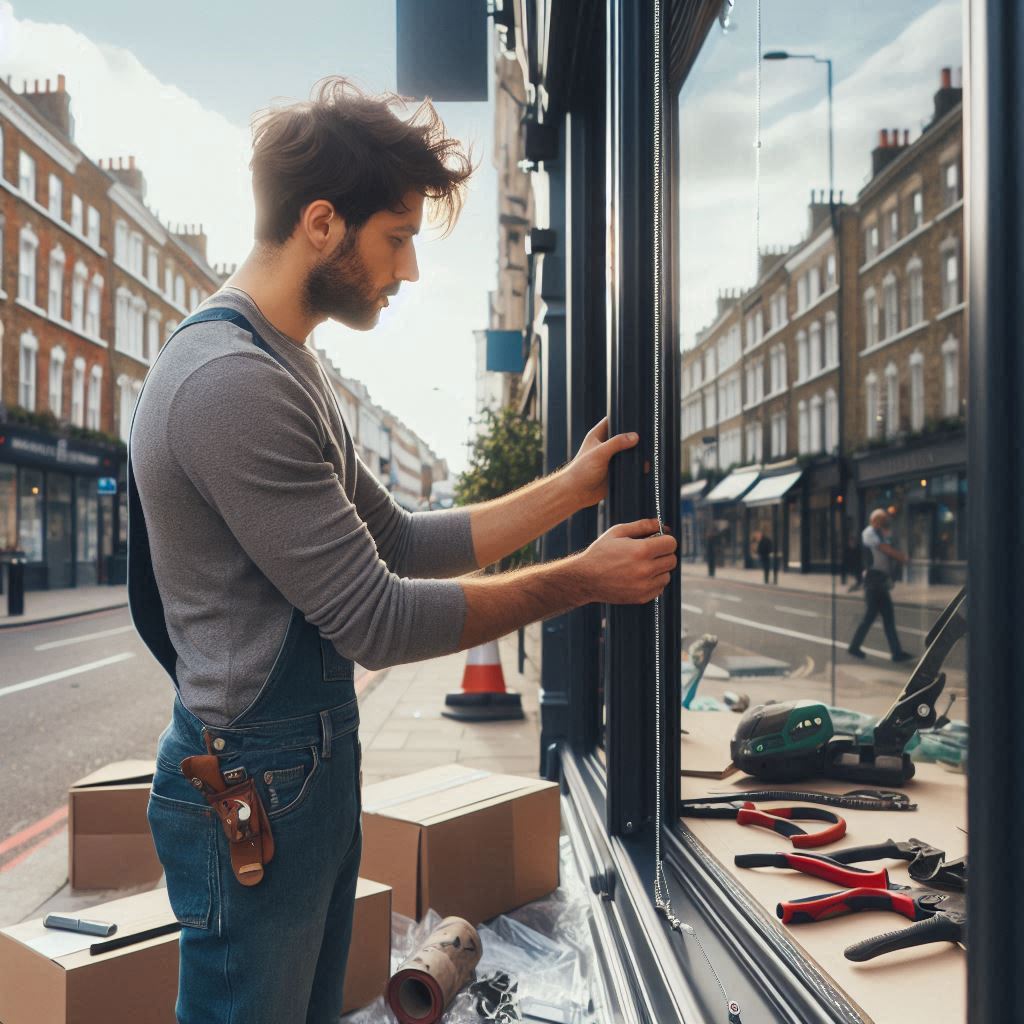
[662, 894]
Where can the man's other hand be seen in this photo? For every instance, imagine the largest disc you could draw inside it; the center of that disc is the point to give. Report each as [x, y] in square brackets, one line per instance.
[588, 472]
[630, 563]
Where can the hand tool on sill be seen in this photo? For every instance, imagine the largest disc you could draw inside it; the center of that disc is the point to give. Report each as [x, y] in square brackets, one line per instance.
[796, 740]
[778, 819]
[700, 657]
[937, 917]
[240, 810]
[853, 800]
[925, 863]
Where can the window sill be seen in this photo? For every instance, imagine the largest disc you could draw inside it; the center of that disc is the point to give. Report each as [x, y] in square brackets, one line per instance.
[896, 246]
[44, 212]
[150, 287]
[949, 211]
[886, 342]
[959, 307]
[65, 325]
[815, 376]
[800, 313]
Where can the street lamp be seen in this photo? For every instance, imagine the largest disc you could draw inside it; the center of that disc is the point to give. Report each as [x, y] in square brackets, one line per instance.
[785, 55]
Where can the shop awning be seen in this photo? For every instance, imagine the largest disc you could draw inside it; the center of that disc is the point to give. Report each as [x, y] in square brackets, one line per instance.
[770, 489]
[734, 486]
[692, 490]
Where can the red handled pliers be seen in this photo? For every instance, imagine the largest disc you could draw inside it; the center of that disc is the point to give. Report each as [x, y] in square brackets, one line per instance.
[778, 819]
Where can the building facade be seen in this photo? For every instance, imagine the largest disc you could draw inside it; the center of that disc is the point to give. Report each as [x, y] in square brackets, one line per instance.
[838, 376]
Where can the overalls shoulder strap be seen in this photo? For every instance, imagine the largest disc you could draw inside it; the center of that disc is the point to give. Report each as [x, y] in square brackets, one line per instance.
[144, 602]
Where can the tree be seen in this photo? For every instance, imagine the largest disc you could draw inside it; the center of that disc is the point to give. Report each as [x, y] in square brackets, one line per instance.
[506, 454]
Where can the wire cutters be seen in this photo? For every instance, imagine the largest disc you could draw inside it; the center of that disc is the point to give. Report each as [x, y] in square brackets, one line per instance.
[937, 917]
[778, 819]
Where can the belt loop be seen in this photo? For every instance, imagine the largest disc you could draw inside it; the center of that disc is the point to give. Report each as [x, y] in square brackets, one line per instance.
[325, 721]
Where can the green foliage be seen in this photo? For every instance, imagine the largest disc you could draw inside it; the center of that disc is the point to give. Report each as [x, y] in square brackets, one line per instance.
[49, 423]
[507, 453]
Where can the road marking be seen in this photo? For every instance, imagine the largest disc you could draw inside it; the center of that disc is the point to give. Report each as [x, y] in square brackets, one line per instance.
[911, 629]
[824, 641]
[796, 611]
[28, 851]
[726, 597]
[692, 608]
[56, 676]
[81, 639]
[31, 831]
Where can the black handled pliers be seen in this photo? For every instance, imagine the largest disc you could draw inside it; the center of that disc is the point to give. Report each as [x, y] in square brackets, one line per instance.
[778, 819]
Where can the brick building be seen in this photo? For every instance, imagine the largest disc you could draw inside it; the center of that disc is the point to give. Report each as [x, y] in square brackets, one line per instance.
[847, 388]
[91, 284]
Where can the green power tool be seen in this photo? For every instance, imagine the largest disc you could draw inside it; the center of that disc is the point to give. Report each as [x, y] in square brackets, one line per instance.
[796, 740]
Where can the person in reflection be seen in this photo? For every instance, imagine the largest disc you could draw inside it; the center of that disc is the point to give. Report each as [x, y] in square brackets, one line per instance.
[709, 549]
[879, 560]
[765, 547]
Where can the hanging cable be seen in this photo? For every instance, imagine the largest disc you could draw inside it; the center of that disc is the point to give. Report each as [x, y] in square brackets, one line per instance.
[757, 147]
[662, 895]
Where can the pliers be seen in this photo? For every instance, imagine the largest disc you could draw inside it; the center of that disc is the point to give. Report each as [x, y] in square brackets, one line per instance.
[778, 819]
[937, 917]
[926, 864]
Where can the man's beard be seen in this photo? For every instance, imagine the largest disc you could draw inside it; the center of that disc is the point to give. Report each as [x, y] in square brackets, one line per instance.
[339, 286]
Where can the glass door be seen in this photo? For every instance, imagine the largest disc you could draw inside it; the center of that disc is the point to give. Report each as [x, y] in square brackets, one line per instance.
[86, 531]
[59, 535]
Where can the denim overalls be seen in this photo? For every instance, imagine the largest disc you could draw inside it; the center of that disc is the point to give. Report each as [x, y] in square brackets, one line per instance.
[274, 953]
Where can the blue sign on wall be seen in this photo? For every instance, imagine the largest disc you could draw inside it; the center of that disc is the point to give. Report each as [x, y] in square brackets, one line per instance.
[106, 485]
[505, 351]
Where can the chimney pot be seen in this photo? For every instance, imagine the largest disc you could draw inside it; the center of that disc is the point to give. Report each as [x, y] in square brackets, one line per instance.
[906, 136]
[47, 85]
[947, 78]
[35, 88]
[883, 138]
[61, 83]
[131, 163]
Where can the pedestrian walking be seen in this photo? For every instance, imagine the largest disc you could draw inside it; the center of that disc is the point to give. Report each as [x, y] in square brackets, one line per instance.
[765, 549]
[265, 559]
[854, 560]
[709, 550]
[879, 558]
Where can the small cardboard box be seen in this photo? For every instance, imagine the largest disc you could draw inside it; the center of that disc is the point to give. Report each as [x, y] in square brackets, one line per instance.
[369, 956]
[49, 976]
[109, 842]
[461, 841]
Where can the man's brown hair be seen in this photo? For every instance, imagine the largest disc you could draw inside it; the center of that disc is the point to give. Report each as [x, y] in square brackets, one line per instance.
[353, 150]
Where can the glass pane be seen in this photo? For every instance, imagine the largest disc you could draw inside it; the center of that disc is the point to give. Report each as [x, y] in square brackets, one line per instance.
[86, 530]
[8, 508]
[30, 513]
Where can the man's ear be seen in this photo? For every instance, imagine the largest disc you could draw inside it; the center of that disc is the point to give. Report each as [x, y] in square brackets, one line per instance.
[320, 222]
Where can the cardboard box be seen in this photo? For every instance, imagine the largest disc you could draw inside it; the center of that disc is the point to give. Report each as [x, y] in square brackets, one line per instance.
[49, 976]
[109, 842]
[369, 956]
[461, 841]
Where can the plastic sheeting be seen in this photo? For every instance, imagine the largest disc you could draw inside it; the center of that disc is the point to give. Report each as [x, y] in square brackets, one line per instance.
[537, 962]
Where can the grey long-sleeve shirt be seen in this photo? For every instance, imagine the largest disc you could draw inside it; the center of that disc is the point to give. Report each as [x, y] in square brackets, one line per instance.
[256, 500]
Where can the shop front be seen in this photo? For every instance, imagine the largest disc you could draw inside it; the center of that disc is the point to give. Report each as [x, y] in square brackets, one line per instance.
[768, 512]
[57, 505]
[924, 489]
[691, 544]
[822, 527]
[724, 519]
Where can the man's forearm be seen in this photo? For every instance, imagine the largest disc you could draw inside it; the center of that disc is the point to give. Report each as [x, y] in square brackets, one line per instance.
[497, 605]
[504, 525]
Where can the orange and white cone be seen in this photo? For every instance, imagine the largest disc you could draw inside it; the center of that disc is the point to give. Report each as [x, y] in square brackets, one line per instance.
[483, 696]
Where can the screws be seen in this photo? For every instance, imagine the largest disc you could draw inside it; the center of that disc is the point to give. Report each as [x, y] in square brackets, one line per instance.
[218, 743]
[198, 783]
[922, 710]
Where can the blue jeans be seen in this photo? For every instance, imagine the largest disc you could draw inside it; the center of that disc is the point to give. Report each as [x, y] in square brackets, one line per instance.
[274, 953]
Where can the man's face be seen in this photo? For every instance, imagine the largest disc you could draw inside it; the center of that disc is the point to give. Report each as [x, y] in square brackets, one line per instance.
[352, 283]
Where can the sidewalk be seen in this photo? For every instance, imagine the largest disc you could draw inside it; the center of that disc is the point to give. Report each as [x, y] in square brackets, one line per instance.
[936, 595]
[66, 602]
[402, 731]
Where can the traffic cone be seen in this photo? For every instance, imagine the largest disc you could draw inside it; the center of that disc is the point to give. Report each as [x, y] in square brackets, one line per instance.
[483, 697]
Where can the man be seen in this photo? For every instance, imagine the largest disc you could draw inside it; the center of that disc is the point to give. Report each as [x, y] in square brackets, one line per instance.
[765, 547]
[265, 559]
[879, 557]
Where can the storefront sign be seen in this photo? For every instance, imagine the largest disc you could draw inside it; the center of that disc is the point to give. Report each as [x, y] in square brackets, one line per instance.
[106, 485]
[37, 449]
[919, 461]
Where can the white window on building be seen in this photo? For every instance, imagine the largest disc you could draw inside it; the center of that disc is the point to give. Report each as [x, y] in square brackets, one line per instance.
[122, 320]
[872, 415]
[802, 361]
[121, 242]
[56, 198]
[78, 281]
[870, 243]
[138, 327]
[950, 277]
[179, 290]
[169, 328]
[801, 293]
[136, 253]
[950, 377]
[777, 362]
[92, 313]
[77, 214]
[710, 407]
[870, 319]
[27, 371]
[153, 267]
[3, 229]
[78, 392]
[168, 279]
[93, 233]
[813, 285]
[778, 435]
[803, 428]
[55, 285]
[915, 292]
[755, 442]
[816, 355]
[831, 421]
[709, 365]
[950, 183]
[152, 334]
[57, 382]
[27, 175]
[893, 225]
[95, 398]
[891, 305]
[193, 298]
[779, 314]
[916, 210]
[755, 328]
[831, 340]
[892, 400]
[830, 270]
[28, 248]
[917, 391]
[817, 438]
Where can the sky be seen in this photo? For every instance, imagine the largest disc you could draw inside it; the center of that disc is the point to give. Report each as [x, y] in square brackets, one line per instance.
[175, 85]
[886, 60]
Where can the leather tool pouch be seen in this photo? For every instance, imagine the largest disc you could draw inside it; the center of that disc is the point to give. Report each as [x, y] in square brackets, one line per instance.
[241, 815]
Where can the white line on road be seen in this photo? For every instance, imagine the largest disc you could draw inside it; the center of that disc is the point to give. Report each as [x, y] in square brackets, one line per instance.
[796, 611]
[911, 629]
[692, 608]
[725, 597]
[56, 676]
[824, 641]
[80, 639]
